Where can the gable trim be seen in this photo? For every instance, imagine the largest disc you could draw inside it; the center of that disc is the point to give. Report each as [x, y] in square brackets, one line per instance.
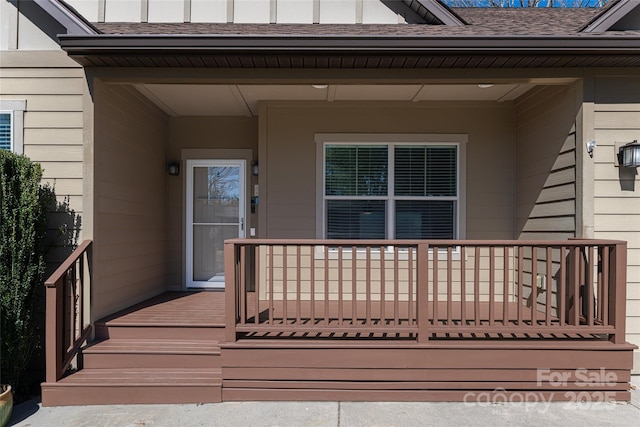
[610, 16]
[66, 16]
[430, 9]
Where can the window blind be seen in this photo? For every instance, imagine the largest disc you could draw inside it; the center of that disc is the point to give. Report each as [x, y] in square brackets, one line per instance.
[5, 131]
[425, 171]
[395, 191]
[356, 170]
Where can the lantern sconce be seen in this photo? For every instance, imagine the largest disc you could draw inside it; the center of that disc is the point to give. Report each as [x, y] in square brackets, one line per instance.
[173, 168]
[629, 155]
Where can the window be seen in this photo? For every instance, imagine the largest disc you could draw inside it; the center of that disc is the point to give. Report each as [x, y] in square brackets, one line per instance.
[6, 134]
[392, 190]
[11, 124]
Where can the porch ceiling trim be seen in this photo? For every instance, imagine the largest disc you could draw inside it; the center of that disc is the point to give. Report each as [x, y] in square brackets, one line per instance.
[363, 51]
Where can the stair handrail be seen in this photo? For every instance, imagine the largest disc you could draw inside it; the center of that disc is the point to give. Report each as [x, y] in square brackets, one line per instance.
[66, 329]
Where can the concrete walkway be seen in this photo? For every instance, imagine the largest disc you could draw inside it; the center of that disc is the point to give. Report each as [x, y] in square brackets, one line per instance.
[336, 414]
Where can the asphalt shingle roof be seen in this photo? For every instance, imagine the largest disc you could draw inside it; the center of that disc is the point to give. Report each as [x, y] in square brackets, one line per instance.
[482, 22]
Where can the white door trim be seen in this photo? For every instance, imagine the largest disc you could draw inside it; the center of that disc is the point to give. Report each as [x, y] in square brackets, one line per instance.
[242, 226]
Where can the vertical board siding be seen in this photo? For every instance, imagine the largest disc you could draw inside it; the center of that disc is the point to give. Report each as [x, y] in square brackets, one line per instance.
[546, 163]
[130, 199]
[246, 11]
[617, 190]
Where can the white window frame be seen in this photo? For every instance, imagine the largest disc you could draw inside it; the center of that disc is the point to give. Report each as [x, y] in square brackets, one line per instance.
[16, 109]
[391, 140]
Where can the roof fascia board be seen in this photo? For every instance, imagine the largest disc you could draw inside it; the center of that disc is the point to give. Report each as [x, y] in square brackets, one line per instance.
[67, 17]
[190, 44]
[610, 16]
[441, 11]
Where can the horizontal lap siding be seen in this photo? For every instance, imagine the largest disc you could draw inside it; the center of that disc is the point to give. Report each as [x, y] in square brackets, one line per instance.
[130, 199]
[545, 177]
[616, 190]
[546, 163]
[53, 87]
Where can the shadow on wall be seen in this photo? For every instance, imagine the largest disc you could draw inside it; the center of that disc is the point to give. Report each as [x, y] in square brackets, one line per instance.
[63, 233]
[64, 226]
[627, 177]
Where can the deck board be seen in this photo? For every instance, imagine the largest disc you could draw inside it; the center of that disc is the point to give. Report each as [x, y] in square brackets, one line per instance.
[202, 308]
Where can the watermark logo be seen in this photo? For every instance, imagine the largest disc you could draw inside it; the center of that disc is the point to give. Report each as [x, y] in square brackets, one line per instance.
[579, 389]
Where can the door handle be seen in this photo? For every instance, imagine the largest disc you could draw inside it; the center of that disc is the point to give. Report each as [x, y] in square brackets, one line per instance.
[241, 224]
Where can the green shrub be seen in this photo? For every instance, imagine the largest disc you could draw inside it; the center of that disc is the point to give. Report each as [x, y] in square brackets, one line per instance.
[24, 205]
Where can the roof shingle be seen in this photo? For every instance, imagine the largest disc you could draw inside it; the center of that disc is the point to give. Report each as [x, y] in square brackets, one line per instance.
[482, 22]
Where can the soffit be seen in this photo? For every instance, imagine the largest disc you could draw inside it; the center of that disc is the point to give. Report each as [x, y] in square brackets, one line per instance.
[243, 100]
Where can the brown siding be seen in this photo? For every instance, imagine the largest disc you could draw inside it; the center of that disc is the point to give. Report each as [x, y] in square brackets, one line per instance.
[130, 199]
[546, 163]
[288, 143]
[617, 190]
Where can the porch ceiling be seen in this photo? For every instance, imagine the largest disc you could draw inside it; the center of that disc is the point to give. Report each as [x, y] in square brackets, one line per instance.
[243, 100]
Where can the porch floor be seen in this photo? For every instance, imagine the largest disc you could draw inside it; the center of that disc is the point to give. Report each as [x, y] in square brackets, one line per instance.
[174, 308]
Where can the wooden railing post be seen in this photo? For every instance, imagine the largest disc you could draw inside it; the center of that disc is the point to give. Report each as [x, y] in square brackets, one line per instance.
[54, 333]
[230, 290]
[422, 292]
[618, 291]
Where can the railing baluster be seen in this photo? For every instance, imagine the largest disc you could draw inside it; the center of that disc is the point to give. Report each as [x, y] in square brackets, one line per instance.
[410, 287]
[80, 303]
[436, 282]
[492, 284]
[383, 297]
[561, 293]
[298, 286]
[243, 284]
[396, 285]
[71, 333]
[449, 285]
[340, 287]
[575, 284]
[285, 285]
[326, 285]
[534, 286]
[256, 283]
[505, 286]
[312, 284]
[548, 286]
[463, 285]
[354, 278]
[590, 263]
[606, 286]
[271, 286]
[520, 283]
[476, 286]
[368, 286]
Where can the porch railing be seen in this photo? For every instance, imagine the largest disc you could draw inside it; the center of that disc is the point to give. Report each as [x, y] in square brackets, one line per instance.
[426, 290]
[66, 326]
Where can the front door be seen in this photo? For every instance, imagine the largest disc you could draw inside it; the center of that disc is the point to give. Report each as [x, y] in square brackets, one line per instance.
[215, 212]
